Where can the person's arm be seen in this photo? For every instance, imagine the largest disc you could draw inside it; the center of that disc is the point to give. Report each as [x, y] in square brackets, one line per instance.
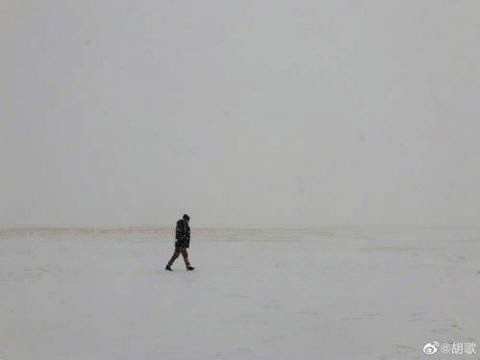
[181, 230]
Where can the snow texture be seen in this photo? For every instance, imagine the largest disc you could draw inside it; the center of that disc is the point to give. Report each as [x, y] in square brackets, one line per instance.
[278, 294]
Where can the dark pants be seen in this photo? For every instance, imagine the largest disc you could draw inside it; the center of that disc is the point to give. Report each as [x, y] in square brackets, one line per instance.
[179, 250]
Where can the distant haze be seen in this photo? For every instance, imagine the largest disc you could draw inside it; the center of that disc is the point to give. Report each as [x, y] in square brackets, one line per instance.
[240, 113]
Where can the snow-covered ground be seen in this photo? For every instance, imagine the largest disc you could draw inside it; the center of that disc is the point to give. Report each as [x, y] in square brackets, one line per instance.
[256, 294]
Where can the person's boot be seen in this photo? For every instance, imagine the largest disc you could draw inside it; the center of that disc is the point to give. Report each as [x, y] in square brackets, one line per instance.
[190, 268]
[168, 268]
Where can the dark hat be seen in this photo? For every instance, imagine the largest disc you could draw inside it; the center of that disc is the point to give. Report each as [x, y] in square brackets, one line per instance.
[186, 217]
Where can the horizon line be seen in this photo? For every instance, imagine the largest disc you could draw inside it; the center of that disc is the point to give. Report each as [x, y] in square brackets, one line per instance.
[107, 228]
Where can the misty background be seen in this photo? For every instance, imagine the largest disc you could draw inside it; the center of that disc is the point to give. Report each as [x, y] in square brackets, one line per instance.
[249, 113]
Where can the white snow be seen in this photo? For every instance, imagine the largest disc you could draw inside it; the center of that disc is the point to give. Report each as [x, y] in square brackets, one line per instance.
[256, 294]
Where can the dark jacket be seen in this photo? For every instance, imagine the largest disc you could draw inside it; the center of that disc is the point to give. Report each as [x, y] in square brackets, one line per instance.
[182, 234]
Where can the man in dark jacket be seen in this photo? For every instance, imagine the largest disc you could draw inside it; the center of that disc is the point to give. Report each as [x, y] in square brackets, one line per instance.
[182, 243]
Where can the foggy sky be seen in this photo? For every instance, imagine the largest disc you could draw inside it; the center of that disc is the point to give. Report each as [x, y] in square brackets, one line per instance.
[240, 113]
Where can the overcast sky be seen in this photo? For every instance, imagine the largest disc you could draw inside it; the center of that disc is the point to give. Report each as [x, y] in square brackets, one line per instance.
[258, 113]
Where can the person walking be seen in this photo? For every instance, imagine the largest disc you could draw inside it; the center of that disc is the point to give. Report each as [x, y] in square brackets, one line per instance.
[182, 243]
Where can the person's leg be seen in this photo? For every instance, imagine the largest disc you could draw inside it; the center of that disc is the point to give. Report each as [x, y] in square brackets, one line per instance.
[176, 253]
[185, 258]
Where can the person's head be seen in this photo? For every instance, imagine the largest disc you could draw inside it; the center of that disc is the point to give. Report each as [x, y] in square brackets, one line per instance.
[186, 218]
